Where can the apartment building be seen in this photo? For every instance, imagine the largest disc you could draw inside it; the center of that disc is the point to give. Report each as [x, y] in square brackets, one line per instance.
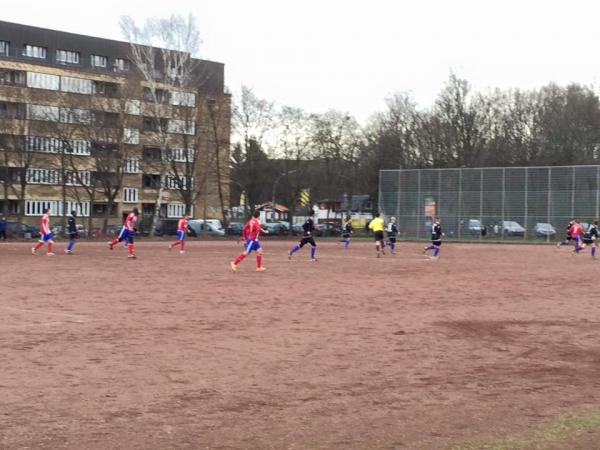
[81, 128]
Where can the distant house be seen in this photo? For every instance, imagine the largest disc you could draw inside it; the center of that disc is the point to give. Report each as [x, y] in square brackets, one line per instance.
[273, 212]
[334, 210]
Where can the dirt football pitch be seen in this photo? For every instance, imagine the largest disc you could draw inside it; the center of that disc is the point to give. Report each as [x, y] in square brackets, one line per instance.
[491, 346]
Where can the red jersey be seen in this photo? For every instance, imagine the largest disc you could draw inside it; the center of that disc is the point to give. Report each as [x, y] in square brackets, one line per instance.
[130, 221]
[576, 230]
[45, 224]
[252, 229]
[182, 225]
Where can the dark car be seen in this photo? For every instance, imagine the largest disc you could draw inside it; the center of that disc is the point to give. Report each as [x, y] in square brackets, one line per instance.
[234, 229]
[328, 229]
[166, 227]
[297, 229]
[21, 230]
[274, 228]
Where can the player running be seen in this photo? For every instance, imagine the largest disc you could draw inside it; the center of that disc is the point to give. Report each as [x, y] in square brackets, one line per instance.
[346, 231]
[307, 238]
[72, 230]
[45, 234]
[376, 226]
[182, 227]
[127, 233]
[436, 239]
[567, 240]
[576, 232]
[250, 234]
[392, 233]
[591, 237]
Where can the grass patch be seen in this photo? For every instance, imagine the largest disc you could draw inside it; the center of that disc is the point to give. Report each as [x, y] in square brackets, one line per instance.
[548, 435]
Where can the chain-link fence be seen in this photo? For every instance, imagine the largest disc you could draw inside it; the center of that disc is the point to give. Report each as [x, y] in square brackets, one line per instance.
[517, 203]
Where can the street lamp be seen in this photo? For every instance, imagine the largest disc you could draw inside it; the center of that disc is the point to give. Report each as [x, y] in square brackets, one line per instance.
[277, 181]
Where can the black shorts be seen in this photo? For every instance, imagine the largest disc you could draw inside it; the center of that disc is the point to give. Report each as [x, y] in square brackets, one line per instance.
[436, 243]
[345, 235]
[307, 240]
[392, 239]
[72, 236]
[378, 235]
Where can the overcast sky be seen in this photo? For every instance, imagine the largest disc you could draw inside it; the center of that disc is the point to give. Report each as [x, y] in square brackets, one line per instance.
[350, 55]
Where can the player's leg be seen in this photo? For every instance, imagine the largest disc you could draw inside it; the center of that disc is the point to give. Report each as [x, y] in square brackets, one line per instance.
[241, 256]
[436, 249]
[297, 247]
[71, 244]
[578, 245]
[392, 244]
[130, 247]
[39, 245]
[313, 249]
[259, 253]
[50, 243]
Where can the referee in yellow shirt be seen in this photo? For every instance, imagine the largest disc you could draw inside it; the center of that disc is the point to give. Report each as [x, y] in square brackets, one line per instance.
[376, 226]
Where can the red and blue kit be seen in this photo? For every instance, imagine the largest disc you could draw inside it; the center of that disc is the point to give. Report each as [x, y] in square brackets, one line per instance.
[182, 227]
[576, 232]
[250, 234]
[46, 234]
[127, 233]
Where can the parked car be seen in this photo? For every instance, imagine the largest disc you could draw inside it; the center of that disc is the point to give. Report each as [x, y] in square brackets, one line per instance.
[234, 229]
[328, 229]
[476, 228]
[512, 228]
[274, 228]
[297, 229]
[59, 230]
[21, 230]
[544, 230]
[212, 227]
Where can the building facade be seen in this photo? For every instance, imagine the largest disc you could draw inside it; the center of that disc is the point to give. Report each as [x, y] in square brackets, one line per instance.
[82, 128]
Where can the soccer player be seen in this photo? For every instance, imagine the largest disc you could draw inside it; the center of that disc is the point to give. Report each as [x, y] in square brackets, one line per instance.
[568, 238]
[307, 238]
[436, 239]
[72, 229]
[347, 231]
[250, 234]
[392, 232]
[45, 234]
[127, 232]
[376, 226]
[182, 227]
[592, 236]
[576, 232]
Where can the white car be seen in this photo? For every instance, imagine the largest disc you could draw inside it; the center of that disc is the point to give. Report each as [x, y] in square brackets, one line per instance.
[212, 227]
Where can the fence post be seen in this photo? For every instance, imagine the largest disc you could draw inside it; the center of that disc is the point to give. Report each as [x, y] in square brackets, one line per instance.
[398, 195]
[573, 192]
[549, 199]
[419, 211]
[481, 203]
[597, 191]
[526, 205]
[459, 218]
[503, 200]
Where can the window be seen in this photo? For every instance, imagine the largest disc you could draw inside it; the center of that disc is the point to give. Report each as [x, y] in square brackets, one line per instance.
[54, 145]
[43, 81]
[13, 207]
[13, 77]
[43, 112]
[130, 195]
[121, 64]
[105, 119]
[131, 136]
[179, 98]
[151, 181]
[4, 48]
[67, 57]
[98, 61]
[181, 154]
[34, 51]
[75, 116]
[181, 127]
[162, 95]
[81, 208]
[37, 207]
[175, 209]
[82, 178]
[11, 110]
[132, 107]
[104, 88]
[77, 85]
[174, 182]
[131, 166]
[152, 153]
[43, 176]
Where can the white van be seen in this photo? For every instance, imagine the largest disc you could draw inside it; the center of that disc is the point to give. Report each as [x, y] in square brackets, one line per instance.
[212, 227]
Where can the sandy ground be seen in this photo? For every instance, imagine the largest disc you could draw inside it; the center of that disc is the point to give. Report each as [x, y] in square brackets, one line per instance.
[350, 352]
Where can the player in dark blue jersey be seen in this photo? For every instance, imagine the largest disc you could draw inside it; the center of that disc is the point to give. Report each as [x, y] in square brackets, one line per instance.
[591, 237]
[346, 231]
[436, 238]
[307, 237]
[392, 233]
[72, 230]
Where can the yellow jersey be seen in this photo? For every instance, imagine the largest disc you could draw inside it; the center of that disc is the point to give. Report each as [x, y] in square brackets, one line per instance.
[376, 224]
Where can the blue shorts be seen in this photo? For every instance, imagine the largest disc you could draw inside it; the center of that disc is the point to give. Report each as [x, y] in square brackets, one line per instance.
[180, 235]
[577, 239]
[252, 245]
[46, 237]
[126, 235]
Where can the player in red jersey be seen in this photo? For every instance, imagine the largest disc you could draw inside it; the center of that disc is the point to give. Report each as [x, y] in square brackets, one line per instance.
[45, 234]
[127, 232]
[576, 232]
[250, 234]
[182, 227]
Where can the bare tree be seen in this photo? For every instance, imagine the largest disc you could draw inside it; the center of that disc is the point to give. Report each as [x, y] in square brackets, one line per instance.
[162, 51]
